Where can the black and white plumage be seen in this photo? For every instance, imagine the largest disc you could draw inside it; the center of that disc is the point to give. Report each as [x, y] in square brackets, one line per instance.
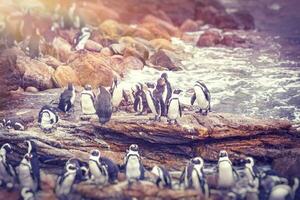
[163, 177]
[251, 172]
[153, 104]
[81, 38]
[202, 97]
[103, 170]
[7, 172]
[226, 172]
[67, 98]
[103, 105]
[284, 191]
[167, 93]
[193, 176]
[140, 102]
[27, 194]
[26, 174]
[16, 124]
[134, 168]
[34, 161]
[87, 100]
[174, 108]
[48, 118]
[117, 94]
[65, 182]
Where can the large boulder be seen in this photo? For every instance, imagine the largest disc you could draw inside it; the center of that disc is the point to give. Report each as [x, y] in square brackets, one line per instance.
[35, 73]
[63, 49]
[134, 48]
[131, 62]
[166, 59]
[65, 74]
[93, 69]
[209, 38]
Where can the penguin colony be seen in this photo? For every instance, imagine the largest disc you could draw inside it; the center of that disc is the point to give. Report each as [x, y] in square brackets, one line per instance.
[100, 170]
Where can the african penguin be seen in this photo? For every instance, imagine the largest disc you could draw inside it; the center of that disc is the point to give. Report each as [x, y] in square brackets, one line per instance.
[251, 172]
[16, 124]
[160, 95]
[225, 169]
[140, 102]
[153, 103]
[64, 183]
[34, 161]
[117, 94]
[48, 118]
[284, 191]
[202, 97]
[134, 168]
[167, 93]
[87, 101]
[27, 194]
[174, 108]
[103, 105]
[102, 169]
[26, 173]
[163, 177]
[81, 38]
[67, 98]
[193, 176]
[7, 172]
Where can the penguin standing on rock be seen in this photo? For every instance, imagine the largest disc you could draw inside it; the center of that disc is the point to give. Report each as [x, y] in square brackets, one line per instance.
[251, 172]
[140, 102]
[153, 104]
[87, 101]
[202, 97]
[134, 168]
[193, 176]
[163, 177]
[174, 108]
[103, 105]
[163, 92]
[81, 38]
[7, 172]
[226, 178]
[47, 118]
[67, 98]
[34, 161]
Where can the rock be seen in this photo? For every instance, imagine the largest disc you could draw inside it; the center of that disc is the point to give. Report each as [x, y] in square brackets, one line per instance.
[134, 48]
[106, 51]
[93, 69]
[115, 62]
[245, 19]
[62, 49]
[65, 74]
[170, 28]
[162, 44]
[189, 26]
[50, 61]
[209, 38]
[287, 164]
[105, 41]
[131, 62]
[165, 59]
[140, 32]
[156, 31]
[118, 48]
[232, 40]
[31, 89]
[93, 46]
[112, 29]
[35, 73]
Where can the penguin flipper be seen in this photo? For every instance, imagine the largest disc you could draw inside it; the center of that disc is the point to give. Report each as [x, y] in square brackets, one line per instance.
[136, 103]
[193, 99]
[180, 109]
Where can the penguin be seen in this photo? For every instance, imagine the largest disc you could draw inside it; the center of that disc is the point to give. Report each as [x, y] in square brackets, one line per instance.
[102, 169]
[117, 94]
[193, 176]
[34, 161]
[7, 172]
[87, 99]
[85, 171]
[202, 96]
[284, 191]
[26, 174]
[153, 104]
[27, 194]
[103, 105]
[67, 98]
[163, 177]
[251, 172]
[134, 169]
[81, 38]
[64, 183]
[34, 44]
[226, 178]
[174, 107]
[48, 118]
[160, 95]
[16, 124]
[167, 93]
[140, 102]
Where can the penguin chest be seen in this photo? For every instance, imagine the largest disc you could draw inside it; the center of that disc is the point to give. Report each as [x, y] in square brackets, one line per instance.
[67, 184]
[94, 169]
[280, 192]
[117, 97]
[150, 103]
[200, 98]
[165, 94]
[87, 104]
[82, 42]
[25, 178]
[225, 176]
[73, 96]
[3, 172]
[173, 111]
[248, 174]
[133, 168]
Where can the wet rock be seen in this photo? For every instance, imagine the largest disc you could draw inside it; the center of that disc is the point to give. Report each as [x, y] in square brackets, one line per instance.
[190, 26]
[162, 44]
[92, 69]
[62, 49]
[93, 46]
[209, 38]
[166, 59]
[31, 89]
[35, 73]
[65, 74]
